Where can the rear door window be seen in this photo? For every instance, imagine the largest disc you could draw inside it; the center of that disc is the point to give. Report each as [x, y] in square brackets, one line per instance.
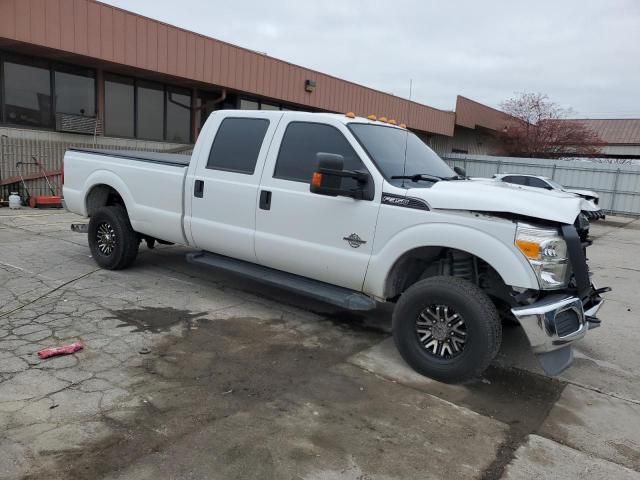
[237, 145]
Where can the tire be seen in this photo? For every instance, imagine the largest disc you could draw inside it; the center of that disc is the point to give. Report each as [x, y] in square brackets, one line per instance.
[415, 330]
[119, 246]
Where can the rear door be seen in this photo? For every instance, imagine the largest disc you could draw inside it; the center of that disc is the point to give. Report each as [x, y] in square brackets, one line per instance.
[225, 185]
[316, 236]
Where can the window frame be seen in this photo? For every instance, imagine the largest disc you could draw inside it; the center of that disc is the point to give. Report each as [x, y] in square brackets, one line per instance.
[282, 107]
[135, 104]
[73, 70]
[166, 90]
[233, 170]
[30, 62]
[158, 87]
[52, 66]
[307, 182]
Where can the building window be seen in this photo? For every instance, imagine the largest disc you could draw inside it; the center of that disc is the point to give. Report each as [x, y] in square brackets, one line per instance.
[75, 91]
[119, 106]
[161, 113]
[237, 144]
[178, 115]
[269, 106]
[150, 111]
[27, 95]
[249, 104]
[257, 104]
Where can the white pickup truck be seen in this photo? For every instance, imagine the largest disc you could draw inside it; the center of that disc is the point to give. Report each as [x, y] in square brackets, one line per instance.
[354, 212]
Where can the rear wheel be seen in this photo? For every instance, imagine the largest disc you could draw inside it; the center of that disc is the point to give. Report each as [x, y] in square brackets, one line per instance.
[113, 243]
[447, 328]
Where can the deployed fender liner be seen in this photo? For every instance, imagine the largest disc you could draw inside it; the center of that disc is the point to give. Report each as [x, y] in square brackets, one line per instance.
[325, 292]
[555, 362]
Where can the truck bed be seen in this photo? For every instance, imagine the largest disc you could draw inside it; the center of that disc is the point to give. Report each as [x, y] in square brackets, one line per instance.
[151, 185]
[172, 159]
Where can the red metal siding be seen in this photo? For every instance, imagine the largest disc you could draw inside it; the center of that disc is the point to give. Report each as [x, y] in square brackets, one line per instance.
[106, 32]
[472, 114]
[89, 28]
[38, 23]
[67, 37]
[53, 24]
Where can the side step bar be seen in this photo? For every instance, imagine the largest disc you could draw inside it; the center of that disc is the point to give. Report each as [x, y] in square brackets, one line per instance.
[339, 296]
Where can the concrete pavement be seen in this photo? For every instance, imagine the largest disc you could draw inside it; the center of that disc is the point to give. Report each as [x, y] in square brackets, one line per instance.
[189, 373]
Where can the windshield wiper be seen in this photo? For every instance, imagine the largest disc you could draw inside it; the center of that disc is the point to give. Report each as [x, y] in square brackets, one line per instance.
[419, 176]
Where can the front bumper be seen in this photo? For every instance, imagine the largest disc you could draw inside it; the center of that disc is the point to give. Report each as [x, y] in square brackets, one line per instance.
[594, 214]
[555, 322]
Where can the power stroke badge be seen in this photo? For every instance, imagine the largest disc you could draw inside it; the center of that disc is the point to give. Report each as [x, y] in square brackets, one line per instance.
[354, 240]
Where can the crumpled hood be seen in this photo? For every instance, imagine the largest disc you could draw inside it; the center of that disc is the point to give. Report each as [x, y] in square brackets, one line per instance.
[491, 196]
[579, 191]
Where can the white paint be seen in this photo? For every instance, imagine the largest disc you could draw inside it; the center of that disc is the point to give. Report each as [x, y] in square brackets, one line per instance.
[303, 233]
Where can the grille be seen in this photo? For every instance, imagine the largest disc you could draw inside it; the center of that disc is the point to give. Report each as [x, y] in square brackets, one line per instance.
[567, 322]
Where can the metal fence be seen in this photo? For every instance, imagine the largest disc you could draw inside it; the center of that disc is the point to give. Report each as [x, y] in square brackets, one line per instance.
[617, 185]
[29, 158]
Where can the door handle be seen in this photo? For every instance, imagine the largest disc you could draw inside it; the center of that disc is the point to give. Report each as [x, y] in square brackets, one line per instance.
[198, 188]
[265, 200]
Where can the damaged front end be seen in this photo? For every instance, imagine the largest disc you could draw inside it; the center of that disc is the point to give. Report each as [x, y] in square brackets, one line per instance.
[552, 322]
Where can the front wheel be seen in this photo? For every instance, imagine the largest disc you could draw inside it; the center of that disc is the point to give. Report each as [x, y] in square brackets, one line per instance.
[447, 328]
[112, 241]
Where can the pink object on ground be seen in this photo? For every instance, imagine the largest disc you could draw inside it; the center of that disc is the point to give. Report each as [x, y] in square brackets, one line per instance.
[64, 350]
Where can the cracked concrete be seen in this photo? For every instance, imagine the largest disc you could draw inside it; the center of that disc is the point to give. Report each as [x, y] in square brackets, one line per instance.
[190, 373]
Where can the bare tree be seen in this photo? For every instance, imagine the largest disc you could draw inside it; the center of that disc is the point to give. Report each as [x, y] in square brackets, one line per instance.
[540, 129]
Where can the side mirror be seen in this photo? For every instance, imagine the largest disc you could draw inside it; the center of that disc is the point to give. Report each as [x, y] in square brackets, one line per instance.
[460, 171]
[327, 179]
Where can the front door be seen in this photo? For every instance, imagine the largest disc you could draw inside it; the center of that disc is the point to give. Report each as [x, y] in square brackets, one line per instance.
[316, 236]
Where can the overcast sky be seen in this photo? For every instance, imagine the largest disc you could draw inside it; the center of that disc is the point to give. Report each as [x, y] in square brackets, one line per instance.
[585, 54]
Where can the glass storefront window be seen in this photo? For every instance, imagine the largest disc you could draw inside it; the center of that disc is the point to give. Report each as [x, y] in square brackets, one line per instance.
[269, 106]
[75, 92]
[178, 115]
[27, 95]
[118, 106]
[249, 104]
[150, 111]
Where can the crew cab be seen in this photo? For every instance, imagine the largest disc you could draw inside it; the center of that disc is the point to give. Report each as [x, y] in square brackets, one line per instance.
[354, 212]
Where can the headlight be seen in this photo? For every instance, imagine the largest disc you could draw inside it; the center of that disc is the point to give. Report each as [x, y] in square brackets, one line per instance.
[546, 251]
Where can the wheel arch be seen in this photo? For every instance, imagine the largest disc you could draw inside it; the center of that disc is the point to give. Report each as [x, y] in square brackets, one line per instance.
[427, 243]
[104, 189]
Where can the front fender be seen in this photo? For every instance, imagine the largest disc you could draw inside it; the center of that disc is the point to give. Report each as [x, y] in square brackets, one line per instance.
[510, 264]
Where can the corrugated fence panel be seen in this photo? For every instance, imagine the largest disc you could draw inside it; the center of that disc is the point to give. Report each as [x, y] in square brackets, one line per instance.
[617, 185]
[19, 156]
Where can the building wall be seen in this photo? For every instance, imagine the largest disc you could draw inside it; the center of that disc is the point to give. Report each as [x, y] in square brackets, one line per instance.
[85, 29]
[464, 140]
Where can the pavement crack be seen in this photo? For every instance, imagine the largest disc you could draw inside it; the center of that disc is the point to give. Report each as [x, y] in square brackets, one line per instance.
[6, 314]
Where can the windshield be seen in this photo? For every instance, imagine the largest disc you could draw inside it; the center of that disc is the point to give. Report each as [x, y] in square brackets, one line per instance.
[386, 147]
[555, 185]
